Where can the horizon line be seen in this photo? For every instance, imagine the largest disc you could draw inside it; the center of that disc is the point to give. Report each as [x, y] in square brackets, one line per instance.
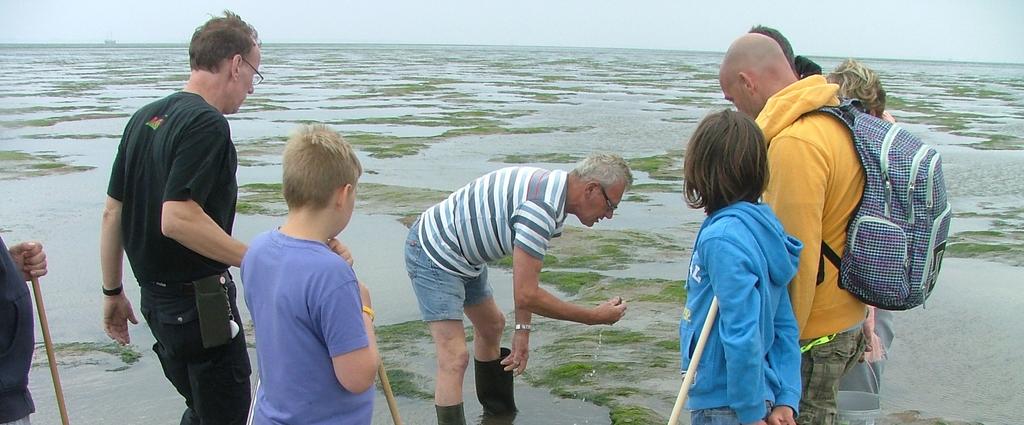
[117, 44]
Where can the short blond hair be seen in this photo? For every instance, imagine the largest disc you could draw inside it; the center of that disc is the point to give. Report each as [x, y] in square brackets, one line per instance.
[857, 81]
[317, 161]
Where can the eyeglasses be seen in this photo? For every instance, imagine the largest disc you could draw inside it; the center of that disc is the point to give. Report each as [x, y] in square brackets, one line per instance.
[257, 78]
[608, 200]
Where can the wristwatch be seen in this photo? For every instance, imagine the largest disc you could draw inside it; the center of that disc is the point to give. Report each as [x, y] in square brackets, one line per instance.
[523, 327]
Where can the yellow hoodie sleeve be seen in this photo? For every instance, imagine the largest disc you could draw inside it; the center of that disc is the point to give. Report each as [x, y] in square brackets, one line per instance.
[798, 176]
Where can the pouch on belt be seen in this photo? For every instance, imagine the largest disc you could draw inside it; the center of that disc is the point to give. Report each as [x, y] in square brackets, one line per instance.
[214, 310]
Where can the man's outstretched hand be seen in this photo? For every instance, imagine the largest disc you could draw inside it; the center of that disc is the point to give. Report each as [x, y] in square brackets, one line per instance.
[610, 311]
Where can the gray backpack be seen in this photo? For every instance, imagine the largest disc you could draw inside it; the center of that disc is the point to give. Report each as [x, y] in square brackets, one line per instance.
[897, 235]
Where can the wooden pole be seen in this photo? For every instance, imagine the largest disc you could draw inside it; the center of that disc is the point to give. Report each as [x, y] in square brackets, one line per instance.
[390, 396]
[691, 371]
[49, 350]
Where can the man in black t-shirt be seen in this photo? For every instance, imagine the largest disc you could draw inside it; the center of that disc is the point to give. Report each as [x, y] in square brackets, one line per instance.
[18, 264]
[171, 206]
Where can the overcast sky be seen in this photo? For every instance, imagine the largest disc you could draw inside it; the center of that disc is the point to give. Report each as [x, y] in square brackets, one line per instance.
[961, 30]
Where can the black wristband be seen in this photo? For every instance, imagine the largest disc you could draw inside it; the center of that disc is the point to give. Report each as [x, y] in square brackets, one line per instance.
[112, 292]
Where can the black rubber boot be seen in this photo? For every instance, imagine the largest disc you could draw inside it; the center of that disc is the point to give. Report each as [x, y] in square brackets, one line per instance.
[494, 386]
[450, 415]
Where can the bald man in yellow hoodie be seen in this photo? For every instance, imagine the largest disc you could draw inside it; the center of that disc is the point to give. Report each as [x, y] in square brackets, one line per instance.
[816, 182]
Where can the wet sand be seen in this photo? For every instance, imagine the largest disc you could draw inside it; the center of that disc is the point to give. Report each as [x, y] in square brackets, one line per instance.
[957, 359]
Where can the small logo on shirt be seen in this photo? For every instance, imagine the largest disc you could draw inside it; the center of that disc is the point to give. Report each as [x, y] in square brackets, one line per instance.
[155, 122]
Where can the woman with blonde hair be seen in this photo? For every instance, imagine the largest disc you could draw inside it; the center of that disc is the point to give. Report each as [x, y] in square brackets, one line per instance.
[857, 81]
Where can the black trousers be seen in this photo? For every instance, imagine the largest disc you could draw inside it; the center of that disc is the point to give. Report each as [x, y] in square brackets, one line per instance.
[214, 381]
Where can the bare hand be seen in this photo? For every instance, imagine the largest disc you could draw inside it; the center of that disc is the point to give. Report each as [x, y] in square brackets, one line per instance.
[516, 362]
[30, 258]
[868, 328]
[117, 312]
[339, 248]
[610, 311]
[781, 415]
[888, 117]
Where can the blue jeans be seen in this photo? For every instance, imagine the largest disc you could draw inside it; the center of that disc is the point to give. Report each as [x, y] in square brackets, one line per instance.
[441, 295]
[714, 416]
[721, 415]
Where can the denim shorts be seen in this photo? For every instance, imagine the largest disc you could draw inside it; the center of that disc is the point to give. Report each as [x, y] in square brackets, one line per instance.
[441, 294]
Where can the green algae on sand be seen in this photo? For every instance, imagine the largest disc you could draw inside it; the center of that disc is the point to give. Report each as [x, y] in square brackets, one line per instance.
[371, 198]
[82, 353]
[634, 415]
[408, 384]
[401, 333]
[615, 367]
[569, 282]
[668, 166]
[609, 249]
[390, 146]
[1009, 253]
[996, 141]
[595, 249]
[656, 187]
[1003, 241]
[18, 164]
[51, 121]
[548, 158]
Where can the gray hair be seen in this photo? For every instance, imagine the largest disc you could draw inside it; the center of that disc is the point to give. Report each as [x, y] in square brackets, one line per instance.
[603, 168]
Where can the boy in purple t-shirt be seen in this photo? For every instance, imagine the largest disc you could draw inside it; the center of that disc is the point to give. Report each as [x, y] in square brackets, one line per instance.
[316, 347]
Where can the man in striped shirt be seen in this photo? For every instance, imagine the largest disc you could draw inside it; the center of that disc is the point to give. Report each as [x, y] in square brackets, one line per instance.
[513, 211]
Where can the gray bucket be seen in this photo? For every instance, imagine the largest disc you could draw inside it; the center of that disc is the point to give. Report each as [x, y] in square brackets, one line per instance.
[858, 408]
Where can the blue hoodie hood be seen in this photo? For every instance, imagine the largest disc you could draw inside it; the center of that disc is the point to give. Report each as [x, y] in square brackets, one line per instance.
[778, 248]
[743, 257]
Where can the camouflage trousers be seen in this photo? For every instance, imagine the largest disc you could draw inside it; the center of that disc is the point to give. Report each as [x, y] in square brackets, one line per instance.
[821, 368]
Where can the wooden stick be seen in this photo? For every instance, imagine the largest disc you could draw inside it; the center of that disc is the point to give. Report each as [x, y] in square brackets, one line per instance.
[49, 350]
[390, 396]
[691, 371]
[252, 403]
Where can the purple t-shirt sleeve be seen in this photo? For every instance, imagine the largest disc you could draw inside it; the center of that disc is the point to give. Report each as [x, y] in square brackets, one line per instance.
[340, 313]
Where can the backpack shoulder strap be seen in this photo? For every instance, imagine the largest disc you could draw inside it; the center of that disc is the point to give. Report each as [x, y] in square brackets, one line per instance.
[830, 254]
[846, 112]
[827, 252]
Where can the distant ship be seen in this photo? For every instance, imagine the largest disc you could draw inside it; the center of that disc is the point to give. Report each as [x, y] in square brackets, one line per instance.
[110, 42]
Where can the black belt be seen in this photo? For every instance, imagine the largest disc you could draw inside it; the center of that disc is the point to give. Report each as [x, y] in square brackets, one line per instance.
[187, 288]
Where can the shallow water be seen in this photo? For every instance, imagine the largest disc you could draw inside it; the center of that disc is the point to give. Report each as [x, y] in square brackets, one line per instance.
[959, 357]
[955, 359]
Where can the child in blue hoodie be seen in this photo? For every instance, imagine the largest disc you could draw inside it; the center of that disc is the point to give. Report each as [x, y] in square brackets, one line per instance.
[749, 372]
